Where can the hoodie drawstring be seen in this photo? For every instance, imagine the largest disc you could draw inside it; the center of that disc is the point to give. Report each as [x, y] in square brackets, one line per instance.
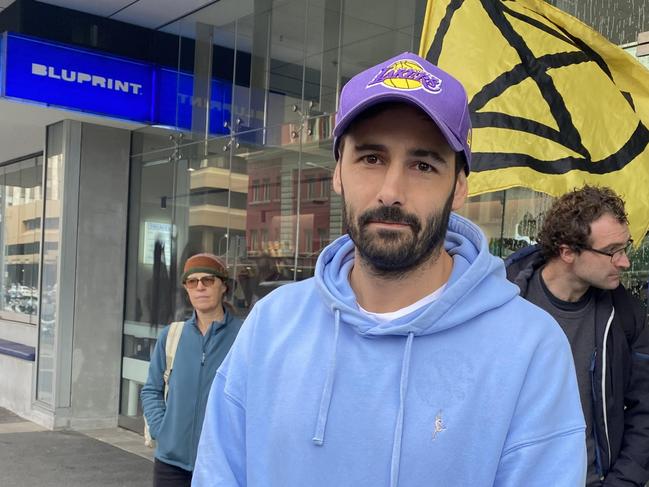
[325, 400]
[398, 430]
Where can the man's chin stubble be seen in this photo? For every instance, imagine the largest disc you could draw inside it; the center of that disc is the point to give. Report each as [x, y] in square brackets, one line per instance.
[382, 266]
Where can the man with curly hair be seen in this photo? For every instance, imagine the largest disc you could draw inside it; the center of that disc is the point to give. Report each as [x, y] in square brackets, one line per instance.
[574, 274]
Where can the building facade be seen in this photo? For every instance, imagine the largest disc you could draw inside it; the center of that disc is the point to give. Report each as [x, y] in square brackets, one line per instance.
[208, 133]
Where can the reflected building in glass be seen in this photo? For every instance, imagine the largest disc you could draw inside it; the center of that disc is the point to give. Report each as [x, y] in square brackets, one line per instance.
[20, 233]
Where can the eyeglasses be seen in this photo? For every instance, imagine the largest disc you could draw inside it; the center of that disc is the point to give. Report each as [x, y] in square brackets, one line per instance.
[615, 255]
[207, 281]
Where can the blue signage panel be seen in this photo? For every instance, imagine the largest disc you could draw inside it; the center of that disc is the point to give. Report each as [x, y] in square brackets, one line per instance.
[2, 64]
[220, 106]
[86, 81]
[169, 85]
[175, 101]
[73, 78]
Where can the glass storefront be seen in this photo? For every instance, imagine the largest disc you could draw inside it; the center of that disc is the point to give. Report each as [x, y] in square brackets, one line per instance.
[49, 273]
[251, 180]
[20, 234]
[254, 188]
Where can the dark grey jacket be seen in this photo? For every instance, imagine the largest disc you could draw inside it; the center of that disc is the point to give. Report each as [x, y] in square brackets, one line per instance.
[619, 373]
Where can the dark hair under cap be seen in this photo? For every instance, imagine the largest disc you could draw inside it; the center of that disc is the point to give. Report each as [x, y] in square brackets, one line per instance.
[207, 263]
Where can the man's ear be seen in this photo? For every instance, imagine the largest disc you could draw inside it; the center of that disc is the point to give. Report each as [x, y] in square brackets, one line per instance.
[337, 181]
[461, 191]
[566, 254]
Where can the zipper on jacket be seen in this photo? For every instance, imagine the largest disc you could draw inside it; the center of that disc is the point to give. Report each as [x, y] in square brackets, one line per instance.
[204, 340]
[606, 332]
[598, 457]
[200, 386]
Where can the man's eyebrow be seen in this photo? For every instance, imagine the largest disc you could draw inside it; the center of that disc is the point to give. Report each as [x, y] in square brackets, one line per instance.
[618, 245]
[427, 153]
[370, 147]
[413, 153]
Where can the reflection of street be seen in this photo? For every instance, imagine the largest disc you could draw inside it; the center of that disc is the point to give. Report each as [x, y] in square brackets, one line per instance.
[20, 299]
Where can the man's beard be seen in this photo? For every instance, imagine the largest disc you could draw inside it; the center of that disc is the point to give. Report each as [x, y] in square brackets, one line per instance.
[394, 253]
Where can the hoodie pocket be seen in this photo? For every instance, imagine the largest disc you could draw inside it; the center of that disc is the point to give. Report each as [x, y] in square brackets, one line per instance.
[165, 439]
[162, 423]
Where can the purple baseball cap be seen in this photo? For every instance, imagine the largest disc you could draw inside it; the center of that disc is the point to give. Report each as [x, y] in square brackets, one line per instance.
[411, 79]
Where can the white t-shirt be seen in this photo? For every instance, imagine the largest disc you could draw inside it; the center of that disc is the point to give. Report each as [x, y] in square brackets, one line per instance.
[394, 315]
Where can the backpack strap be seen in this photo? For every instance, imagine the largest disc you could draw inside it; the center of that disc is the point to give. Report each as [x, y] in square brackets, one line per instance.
[173, 337]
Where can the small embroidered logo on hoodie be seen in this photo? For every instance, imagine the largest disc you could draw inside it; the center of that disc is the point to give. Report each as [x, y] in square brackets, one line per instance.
[439, 425]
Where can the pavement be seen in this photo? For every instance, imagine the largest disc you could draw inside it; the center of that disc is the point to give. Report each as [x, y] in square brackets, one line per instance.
[32, 456]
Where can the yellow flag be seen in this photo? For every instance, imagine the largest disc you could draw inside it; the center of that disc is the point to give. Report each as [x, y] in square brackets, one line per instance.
[553, 104]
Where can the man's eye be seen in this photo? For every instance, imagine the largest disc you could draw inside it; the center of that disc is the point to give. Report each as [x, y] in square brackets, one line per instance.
[371, 159]
[424, 167]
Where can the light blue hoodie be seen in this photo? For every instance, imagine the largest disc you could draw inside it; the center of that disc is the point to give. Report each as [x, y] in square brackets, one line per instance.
[475, 389]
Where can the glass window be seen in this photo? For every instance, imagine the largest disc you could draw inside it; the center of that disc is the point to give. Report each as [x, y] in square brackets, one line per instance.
[50, 260]
[323, 237]
[636, 278]
[510, 219]
[256, 193]
[248, 175]
[20, 234]
[267, 189]
[310, 192]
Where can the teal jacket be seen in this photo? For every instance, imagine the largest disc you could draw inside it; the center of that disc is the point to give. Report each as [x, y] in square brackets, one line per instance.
[176, 425]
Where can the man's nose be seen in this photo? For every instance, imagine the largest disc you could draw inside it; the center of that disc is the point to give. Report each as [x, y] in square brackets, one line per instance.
[393, 189]
[623, 262]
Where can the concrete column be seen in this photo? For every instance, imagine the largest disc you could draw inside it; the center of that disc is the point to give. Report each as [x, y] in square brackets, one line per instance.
[90, 279]
[202, 83]
[260, 68]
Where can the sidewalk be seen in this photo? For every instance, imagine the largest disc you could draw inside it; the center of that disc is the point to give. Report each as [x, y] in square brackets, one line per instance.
[30, 455]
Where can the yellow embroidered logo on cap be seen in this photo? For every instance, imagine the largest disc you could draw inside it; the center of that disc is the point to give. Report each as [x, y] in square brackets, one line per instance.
[407, 74]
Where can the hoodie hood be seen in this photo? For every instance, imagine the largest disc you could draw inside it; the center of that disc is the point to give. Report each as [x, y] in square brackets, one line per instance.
[521, 265]
[474, 272]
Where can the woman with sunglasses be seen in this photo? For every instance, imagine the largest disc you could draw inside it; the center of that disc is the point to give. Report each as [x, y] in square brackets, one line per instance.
[205, 338]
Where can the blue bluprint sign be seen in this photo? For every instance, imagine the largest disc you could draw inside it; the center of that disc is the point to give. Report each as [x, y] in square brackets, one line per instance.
[73, 78]
[67, 77]
[175, 101]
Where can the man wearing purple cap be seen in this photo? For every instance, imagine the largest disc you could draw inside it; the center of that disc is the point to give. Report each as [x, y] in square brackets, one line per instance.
[408, 360]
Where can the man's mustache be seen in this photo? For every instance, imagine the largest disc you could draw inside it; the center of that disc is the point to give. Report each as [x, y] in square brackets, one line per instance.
[390, 214]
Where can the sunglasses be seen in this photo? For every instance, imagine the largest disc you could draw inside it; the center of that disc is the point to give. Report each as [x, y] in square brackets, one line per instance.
[206, 281]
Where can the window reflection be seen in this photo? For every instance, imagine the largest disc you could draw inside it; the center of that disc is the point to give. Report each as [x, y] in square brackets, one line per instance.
[260, 196]
[50, 260]
[20, 232]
